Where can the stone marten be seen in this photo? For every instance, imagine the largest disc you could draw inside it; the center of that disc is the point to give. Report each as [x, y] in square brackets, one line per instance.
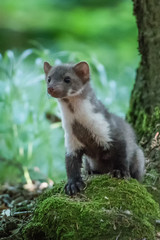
[106, 141]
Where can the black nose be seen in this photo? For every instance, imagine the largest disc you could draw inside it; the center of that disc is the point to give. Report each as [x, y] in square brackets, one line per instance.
[50, 90]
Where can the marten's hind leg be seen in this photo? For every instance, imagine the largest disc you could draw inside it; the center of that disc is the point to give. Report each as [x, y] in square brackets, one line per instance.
[89, 167]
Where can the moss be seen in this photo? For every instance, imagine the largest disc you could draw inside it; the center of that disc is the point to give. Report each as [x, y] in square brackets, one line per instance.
[35, 231]
[108, 207]
[145, 124]
[152, 183]
[146, 127]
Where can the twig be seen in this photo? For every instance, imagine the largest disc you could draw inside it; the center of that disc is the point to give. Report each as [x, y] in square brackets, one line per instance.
[118, 236]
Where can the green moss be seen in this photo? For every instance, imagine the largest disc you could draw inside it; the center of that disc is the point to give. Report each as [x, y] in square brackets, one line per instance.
[146, 127]
[35, 231]
[107, 208]
[152, 183]
[145, 124]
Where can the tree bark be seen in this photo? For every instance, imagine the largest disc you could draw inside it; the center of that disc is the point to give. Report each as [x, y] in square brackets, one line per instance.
[144, 112]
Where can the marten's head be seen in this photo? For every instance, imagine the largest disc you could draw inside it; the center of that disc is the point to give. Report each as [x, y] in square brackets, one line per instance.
[66, 80]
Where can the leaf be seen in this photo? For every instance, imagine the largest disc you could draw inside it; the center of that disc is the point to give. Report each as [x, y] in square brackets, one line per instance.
[24, 55]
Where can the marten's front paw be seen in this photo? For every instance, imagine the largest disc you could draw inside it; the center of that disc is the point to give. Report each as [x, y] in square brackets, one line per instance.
[74, 186]
[120, 174]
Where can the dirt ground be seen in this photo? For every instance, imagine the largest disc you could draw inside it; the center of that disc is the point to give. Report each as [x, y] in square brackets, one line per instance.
[17, 204]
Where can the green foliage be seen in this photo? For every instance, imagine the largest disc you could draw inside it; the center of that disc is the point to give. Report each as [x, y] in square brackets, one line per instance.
[67, 32]
[106, 32]
[27, 137]
[107, 208]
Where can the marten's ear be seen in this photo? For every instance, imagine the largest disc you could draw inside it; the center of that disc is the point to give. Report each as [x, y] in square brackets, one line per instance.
[82, 70]
[47, 67]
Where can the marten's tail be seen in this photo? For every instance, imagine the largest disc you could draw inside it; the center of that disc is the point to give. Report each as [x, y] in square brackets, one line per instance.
[137, 168]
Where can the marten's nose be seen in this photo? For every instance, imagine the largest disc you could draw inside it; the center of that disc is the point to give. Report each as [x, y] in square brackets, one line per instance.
[50, 90]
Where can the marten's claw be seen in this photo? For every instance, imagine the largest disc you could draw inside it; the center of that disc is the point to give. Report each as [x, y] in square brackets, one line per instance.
[120, 174]
[74, 186]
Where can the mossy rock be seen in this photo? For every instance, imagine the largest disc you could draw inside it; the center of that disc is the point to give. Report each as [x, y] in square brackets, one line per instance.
[108, 209]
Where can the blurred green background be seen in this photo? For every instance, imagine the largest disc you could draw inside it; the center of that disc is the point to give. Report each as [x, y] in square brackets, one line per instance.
[102, 32]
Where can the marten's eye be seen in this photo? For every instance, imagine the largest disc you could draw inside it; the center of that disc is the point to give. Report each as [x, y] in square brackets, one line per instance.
[49, 79]
[67, 79]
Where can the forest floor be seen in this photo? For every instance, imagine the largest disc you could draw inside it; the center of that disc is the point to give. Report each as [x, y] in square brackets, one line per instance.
[17, 204]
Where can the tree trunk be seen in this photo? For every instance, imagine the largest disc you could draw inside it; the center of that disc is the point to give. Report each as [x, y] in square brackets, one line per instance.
[144, 112]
